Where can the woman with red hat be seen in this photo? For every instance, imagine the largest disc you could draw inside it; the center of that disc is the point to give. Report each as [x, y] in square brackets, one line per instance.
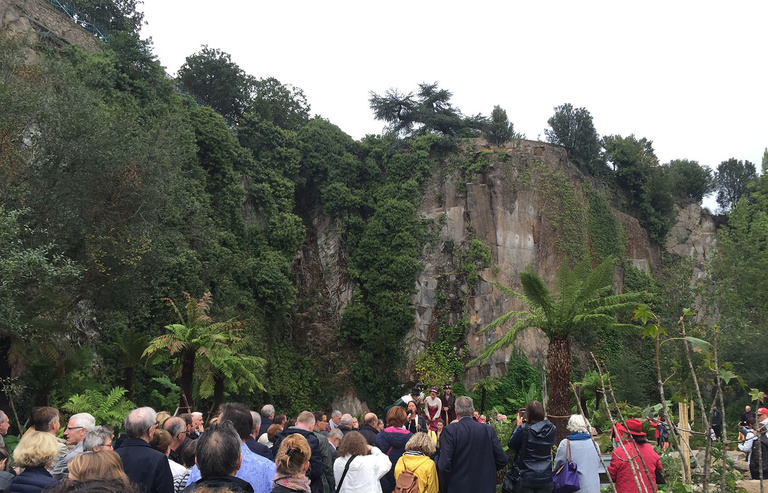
[638, 456]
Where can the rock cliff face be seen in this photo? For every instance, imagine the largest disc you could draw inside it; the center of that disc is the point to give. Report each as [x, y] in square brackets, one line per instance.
[509, 207]
[41, 22]
[525, 205]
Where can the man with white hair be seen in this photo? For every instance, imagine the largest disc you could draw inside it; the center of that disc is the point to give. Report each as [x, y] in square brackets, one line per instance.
[97, 439]
[142, 463]
[267, 415]
[252, 440]
[77, 427]
[5, 423]
[197, 424]
[345, 423]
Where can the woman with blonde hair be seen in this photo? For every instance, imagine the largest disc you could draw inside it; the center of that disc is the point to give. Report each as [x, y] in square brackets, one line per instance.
[359, 466]
[35, 453]
[417, 460]
[97, 465]
[292, 461]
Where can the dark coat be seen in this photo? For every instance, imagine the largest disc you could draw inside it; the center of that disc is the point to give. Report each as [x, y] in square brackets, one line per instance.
[754, 460]
[369, 432]
[316, 466]
[470, 455]
[415, 420]
[392, 443]
[146, 466]
[265, 424]
[32, 480]
[284, 489]
[259, 448]
[231, 483]
[537, 458]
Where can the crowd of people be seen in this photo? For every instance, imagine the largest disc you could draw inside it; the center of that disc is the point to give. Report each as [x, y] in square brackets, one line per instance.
[427, 444]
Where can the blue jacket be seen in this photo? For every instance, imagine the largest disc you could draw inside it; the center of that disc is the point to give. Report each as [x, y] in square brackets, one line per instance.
[32, 480]
[537, 458]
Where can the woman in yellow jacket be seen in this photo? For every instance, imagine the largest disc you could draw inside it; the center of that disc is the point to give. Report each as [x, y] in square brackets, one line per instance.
[417, 460]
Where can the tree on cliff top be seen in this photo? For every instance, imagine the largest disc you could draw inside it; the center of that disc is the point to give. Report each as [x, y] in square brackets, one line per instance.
[573, 129]
[428, 111]
[731, 179]
[212, 77]
[580, 301]
[498, 130]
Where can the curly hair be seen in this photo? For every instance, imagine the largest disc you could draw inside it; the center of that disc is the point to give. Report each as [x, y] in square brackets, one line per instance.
[421, 442]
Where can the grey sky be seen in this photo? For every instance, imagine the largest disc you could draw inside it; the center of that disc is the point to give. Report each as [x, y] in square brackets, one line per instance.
[690, 76]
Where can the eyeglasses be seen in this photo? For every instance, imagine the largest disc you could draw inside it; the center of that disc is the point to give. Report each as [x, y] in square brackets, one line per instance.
[70, 428]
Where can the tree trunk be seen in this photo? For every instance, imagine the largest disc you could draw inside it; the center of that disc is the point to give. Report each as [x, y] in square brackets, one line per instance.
[559, 362]
[218, 395]
[187, 375]
[128, 382]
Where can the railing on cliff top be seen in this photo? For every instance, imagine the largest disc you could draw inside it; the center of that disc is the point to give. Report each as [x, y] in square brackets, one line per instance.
[78, 18]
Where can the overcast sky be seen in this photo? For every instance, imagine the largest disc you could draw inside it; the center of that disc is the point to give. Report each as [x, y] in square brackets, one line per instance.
[690, 76]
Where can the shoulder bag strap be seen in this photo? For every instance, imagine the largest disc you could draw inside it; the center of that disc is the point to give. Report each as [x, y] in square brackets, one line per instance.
[344, 474]
[521, 452]
[568, 451]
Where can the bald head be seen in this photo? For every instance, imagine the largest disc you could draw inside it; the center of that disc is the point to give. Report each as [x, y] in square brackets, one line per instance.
[371, 419]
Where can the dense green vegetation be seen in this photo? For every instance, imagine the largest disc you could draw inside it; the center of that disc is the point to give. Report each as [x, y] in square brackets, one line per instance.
[121, 188]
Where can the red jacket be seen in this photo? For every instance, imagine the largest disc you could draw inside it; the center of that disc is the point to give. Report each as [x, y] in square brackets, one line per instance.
[621, 471]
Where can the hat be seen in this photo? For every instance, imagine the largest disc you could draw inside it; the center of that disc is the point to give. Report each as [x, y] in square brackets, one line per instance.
[434, 389]
[762, 410]
[447, 386]
[635, 427]
[415, 391]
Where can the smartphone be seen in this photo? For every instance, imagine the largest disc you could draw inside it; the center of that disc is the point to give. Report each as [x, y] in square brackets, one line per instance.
[521, 412]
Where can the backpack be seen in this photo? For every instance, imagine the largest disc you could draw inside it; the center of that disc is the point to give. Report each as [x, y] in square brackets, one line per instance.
[663, 432]
[406, 482]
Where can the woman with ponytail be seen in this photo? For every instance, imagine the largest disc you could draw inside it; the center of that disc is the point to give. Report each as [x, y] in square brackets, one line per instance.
[292, 461]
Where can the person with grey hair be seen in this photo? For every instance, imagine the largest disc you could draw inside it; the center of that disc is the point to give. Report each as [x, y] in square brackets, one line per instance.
[578, 445]
[77, 427]
[219, 456]
[252, 440]
[470, 453]
[97, 439]
[197, 425]
[345, 423]
[267, 414]
[335, 420]
[142, 463]
[5, 423]
[177, 428]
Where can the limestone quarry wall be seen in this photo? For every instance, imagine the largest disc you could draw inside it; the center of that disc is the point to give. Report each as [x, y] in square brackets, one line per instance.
[42, 22]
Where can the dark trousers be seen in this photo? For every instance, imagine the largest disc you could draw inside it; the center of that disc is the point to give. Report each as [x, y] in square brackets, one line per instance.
[537, 488]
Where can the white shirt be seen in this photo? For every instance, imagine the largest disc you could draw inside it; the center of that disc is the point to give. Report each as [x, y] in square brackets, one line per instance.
[364, 472]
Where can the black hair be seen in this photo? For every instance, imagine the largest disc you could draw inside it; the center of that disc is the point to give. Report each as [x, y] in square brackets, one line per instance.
[218, 450]
[240, 417]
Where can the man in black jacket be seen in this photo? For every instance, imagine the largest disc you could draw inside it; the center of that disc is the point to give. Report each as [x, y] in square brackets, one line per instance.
[470, 454]
[369, 430]
[304, 425]
[218, 458]
[142, 463]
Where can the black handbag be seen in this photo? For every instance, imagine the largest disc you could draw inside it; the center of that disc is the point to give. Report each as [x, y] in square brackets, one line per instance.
[513, 483]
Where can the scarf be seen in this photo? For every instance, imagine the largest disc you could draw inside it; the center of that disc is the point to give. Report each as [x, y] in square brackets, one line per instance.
[298, 482]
